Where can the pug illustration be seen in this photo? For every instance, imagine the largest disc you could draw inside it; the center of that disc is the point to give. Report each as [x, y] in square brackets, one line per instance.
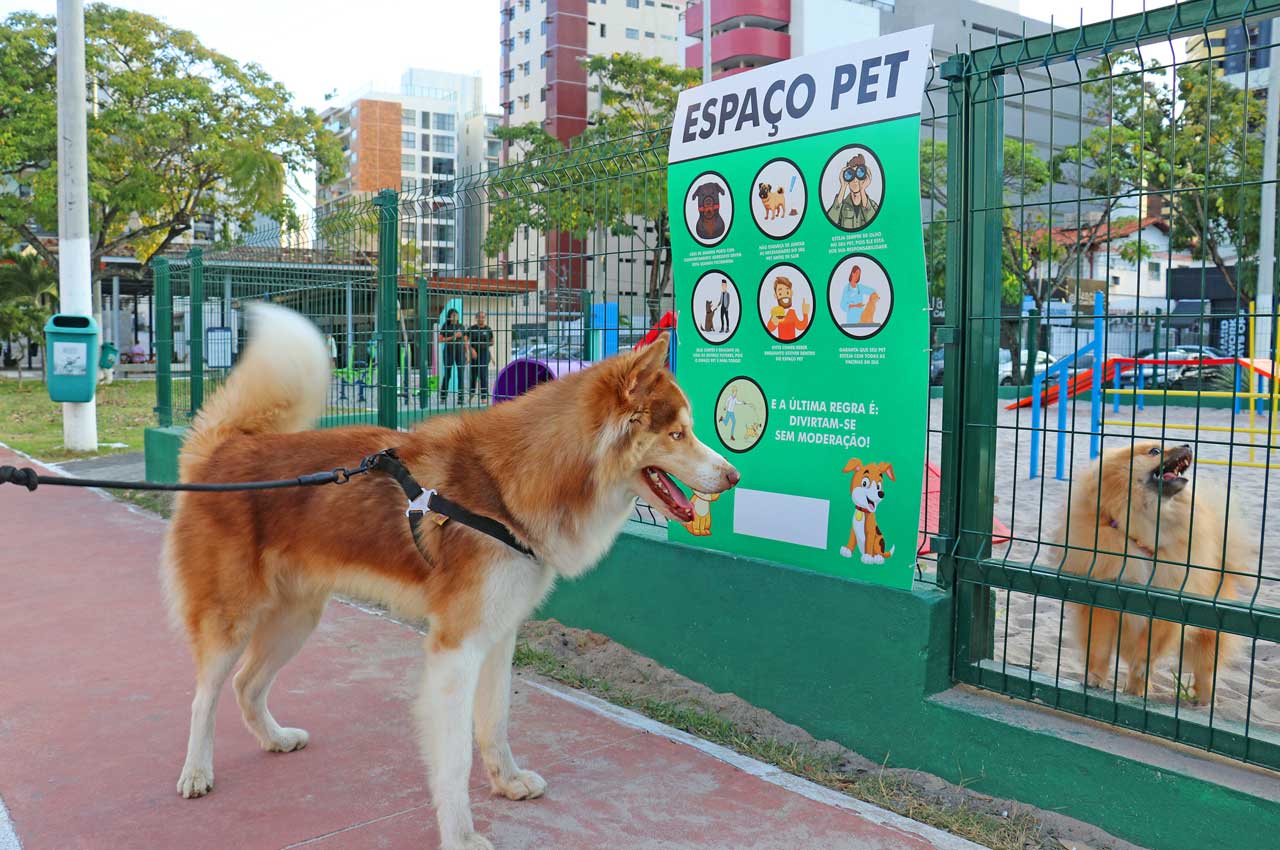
[774, 201]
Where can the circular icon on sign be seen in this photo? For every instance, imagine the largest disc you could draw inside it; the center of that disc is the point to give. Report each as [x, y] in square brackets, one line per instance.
[852, 187]
[860, 296]
[708, 208]
[786, 302]
[742, 414]
[778, 198]
[717, 307]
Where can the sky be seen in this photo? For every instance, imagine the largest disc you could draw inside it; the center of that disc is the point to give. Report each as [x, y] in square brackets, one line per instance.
[316, 47]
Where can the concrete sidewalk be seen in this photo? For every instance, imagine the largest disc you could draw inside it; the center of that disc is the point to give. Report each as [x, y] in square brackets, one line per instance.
[95, 693]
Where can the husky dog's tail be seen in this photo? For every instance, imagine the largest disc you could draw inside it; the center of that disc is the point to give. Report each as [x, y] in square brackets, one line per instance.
[278, 386]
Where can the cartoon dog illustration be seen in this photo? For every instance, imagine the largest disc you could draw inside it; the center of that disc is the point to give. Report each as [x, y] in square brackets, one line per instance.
[700, 525]
[869, 311]
[753, 431]
[710, 224]
[867, 491]
[774, 201]
[709, 321]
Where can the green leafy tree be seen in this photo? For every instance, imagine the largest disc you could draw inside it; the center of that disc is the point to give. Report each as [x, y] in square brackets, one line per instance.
[176, 131]
[612, 180]
[28, 288]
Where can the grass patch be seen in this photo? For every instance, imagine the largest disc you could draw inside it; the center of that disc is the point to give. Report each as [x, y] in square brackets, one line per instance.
[1016, 831]
[151, 500]
[31, 423]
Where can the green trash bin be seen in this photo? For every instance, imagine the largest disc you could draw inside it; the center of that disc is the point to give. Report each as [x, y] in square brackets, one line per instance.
[108, 355]
[71, 357]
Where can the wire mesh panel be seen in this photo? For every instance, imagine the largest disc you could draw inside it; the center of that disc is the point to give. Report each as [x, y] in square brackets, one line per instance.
[1112, 408]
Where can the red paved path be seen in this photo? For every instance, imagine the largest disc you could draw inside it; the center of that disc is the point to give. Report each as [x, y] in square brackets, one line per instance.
[95, 692]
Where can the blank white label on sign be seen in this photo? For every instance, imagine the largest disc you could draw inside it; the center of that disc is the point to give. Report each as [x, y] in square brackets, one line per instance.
[801, 520]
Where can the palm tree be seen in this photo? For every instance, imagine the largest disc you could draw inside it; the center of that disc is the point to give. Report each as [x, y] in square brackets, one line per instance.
[28, 288]
[27, 277]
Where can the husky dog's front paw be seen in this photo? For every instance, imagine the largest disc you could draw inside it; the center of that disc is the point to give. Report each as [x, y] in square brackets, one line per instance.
[195, 782]
[286, 740]
[470, 841]
[525, 785]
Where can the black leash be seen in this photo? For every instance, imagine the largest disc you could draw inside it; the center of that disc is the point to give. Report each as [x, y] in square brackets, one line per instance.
[25, 476]
[421, 502]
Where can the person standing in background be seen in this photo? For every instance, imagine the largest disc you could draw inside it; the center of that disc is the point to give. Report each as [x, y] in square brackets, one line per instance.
[452, 344]
[479, 342]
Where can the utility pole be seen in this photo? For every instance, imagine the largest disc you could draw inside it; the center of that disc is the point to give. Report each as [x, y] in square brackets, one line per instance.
[706, 41]
[79, 421]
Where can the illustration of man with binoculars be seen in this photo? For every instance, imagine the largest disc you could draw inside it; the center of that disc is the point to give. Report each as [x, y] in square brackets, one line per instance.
[853, 208]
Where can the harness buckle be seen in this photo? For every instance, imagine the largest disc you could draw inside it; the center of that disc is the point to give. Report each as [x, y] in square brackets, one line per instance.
[420, 504]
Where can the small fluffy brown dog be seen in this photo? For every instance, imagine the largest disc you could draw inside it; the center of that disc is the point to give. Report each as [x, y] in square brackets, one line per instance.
[1134, 507]
[248, 573]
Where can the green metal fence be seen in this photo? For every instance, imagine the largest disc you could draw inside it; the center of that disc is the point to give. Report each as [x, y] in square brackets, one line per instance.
[1092, 170]
[1113, 173]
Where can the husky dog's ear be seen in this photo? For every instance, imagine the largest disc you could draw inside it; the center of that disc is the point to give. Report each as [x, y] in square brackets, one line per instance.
[638, 375]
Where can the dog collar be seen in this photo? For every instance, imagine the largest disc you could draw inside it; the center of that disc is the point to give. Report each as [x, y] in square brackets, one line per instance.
[1141, 547]
[424, 502]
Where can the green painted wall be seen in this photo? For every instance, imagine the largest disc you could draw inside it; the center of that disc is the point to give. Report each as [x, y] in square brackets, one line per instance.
[160, 450]
[857, 663]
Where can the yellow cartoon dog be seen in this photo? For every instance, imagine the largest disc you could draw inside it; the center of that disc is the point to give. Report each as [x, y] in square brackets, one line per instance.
[700, 525]
[867, 491]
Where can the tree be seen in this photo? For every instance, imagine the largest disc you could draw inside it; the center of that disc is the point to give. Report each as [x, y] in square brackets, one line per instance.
[27, 289]
[176, 131]
[612, 179]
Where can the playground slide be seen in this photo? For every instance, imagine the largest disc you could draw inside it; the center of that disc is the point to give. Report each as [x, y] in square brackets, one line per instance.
[1080, 382]
[930, 507]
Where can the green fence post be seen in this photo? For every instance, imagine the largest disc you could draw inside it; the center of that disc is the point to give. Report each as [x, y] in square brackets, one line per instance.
[424, 344]
[953, 70]
[975, 602]
[195, 326]
[163, 342]
[388, 205]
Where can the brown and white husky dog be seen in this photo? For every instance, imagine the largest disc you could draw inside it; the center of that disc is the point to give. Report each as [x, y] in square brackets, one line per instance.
[248, 573]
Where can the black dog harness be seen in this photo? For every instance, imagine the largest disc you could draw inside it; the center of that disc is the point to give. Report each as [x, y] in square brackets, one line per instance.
[424, 503]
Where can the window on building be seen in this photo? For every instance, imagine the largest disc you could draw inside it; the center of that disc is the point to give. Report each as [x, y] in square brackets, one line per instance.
[648, 34]
[524, 101]
[407, 230]
[648, 2]
[442, 256]
[408, 139]
[1115, 280]
[406, 161]
[602, 29]
[525, 5]
[426, 141]
[633, 4]
[444, 232]
[493, 148]
[426, 121]
[406, 116]
[1153, 271]
[524, 69]
[633, 33]
[444, 144]
[542, 61]
[426, 165]
[542, 95]
[442, 166]
[444, 121]
[524, 36]
[543, 28]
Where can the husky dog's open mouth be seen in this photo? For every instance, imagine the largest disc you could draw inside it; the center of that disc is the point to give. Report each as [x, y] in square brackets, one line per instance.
[668, 494]
[1168, 475]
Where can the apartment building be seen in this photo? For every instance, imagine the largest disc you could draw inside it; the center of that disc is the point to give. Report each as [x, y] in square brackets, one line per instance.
[419, 139]
[545, 41]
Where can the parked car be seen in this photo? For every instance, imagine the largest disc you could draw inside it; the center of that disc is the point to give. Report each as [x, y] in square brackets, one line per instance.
[1158, 374]
[1043, 361]
[936, 358]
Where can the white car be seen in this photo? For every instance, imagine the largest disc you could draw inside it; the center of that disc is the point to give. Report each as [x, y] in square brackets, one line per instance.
[1043, 361]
